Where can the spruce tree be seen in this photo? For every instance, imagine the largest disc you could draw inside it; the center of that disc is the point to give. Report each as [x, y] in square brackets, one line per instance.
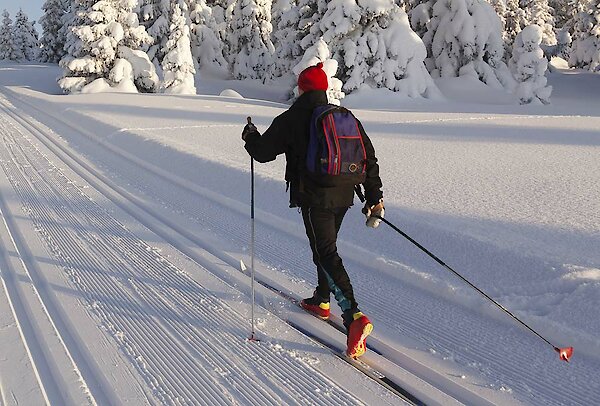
[286, 37]
[178, 64]
[53, 37]
[585, 48]
[374, 45]
[529, 67]
[319, 53]
[515, 20]
[463, 38]
[207, 38]
[250, 48]
[538, 12]
[104, 34]
[154, 15]
[7, 48]
[25, 38]
[562, 12]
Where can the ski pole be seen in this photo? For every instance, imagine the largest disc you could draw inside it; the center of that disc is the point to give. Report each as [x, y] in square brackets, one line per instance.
[564, 353]
[253, 335]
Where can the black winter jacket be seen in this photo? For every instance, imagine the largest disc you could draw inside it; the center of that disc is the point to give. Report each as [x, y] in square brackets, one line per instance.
[289, 134]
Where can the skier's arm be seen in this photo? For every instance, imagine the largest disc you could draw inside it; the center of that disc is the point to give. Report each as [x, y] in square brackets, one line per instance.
[273, 142]
[372, 184]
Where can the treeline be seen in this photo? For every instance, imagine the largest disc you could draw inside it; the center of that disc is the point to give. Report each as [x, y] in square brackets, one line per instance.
[160, 45]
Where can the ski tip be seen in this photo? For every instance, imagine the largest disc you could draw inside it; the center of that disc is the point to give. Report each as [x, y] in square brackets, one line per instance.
[242, 266]
[564, 353]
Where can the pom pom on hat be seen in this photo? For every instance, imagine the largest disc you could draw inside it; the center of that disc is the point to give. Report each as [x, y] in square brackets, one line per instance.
[313, 78]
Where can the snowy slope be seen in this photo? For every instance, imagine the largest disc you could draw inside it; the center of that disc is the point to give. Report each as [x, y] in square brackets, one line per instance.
[129, 214]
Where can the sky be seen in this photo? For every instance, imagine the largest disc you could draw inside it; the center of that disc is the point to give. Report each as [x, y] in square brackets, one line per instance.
[33, 8]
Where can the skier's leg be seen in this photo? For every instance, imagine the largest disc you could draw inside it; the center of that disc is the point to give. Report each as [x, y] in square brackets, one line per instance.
[322, 226]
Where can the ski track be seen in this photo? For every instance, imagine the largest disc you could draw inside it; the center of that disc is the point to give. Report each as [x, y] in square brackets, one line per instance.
[117, 274]
[462, 345]
[490, 360]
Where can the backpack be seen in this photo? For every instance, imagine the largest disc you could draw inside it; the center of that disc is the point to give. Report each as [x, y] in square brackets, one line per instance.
[336, 152]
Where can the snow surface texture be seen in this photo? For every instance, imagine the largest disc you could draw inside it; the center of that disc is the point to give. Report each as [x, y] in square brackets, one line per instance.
[135, 208]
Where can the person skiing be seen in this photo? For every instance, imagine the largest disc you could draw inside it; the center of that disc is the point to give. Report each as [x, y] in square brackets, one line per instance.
[322, 207]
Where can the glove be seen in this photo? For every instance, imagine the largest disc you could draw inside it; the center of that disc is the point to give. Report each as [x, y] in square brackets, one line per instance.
[371, 211]
[249, 128]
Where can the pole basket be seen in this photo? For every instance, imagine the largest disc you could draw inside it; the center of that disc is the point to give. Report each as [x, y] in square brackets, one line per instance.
[564, 353]
[253, 338]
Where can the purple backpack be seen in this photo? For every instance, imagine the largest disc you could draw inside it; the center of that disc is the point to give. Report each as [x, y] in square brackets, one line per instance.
[336, 152]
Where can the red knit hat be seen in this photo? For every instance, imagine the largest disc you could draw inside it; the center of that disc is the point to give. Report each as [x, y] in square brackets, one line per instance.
[313, 78]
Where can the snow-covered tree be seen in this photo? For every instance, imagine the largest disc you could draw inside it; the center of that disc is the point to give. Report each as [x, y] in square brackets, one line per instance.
[464, 38]
[249, 39]
[7, 48]
[515, 20]
[154, 15]
[178, 63]
[374, 45]
[529, 65]
[585, 49]
[103, 46]
[538, 12]
[562, 12]
[25, 38]
[500, 7]
[207, 45]
[319, 53]
[53, 37]
[286, 37]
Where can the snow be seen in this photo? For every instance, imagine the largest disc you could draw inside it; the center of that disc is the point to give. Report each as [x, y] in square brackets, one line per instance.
[135, 213]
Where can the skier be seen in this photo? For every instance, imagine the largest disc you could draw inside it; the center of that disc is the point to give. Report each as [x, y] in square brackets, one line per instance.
[322, 208]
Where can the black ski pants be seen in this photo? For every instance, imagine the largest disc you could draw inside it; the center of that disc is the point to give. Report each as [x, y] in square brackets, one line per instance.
[322, 227]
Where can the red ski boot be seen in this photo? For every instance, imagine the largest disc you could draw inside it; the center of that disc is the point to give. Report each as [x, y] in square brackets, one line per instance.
[360, 327]
[317, 306]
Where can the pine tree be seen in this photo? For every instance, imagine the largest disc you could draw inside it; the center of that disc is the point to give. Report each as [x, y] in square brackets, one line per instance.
[103, 48]
[53, 38]
[249, 40]
[7, 48]
[529, 67]
[178, 63]
[25, 38]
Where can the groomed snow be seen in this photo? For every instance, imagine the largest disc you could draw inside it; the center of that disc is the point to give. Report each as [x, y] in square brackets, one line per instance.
[505, 194]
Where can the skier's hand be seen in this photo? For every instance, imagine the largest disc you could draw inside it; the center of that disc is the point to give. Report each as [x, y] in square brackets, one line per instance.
[372, 211]
[249, 130]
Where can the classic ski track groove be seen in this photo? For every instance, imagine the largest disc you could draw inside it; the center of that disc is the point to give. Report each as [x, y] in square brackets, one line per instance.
[92, 385]
[412, 324]
[30, 339]
[300, 379]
